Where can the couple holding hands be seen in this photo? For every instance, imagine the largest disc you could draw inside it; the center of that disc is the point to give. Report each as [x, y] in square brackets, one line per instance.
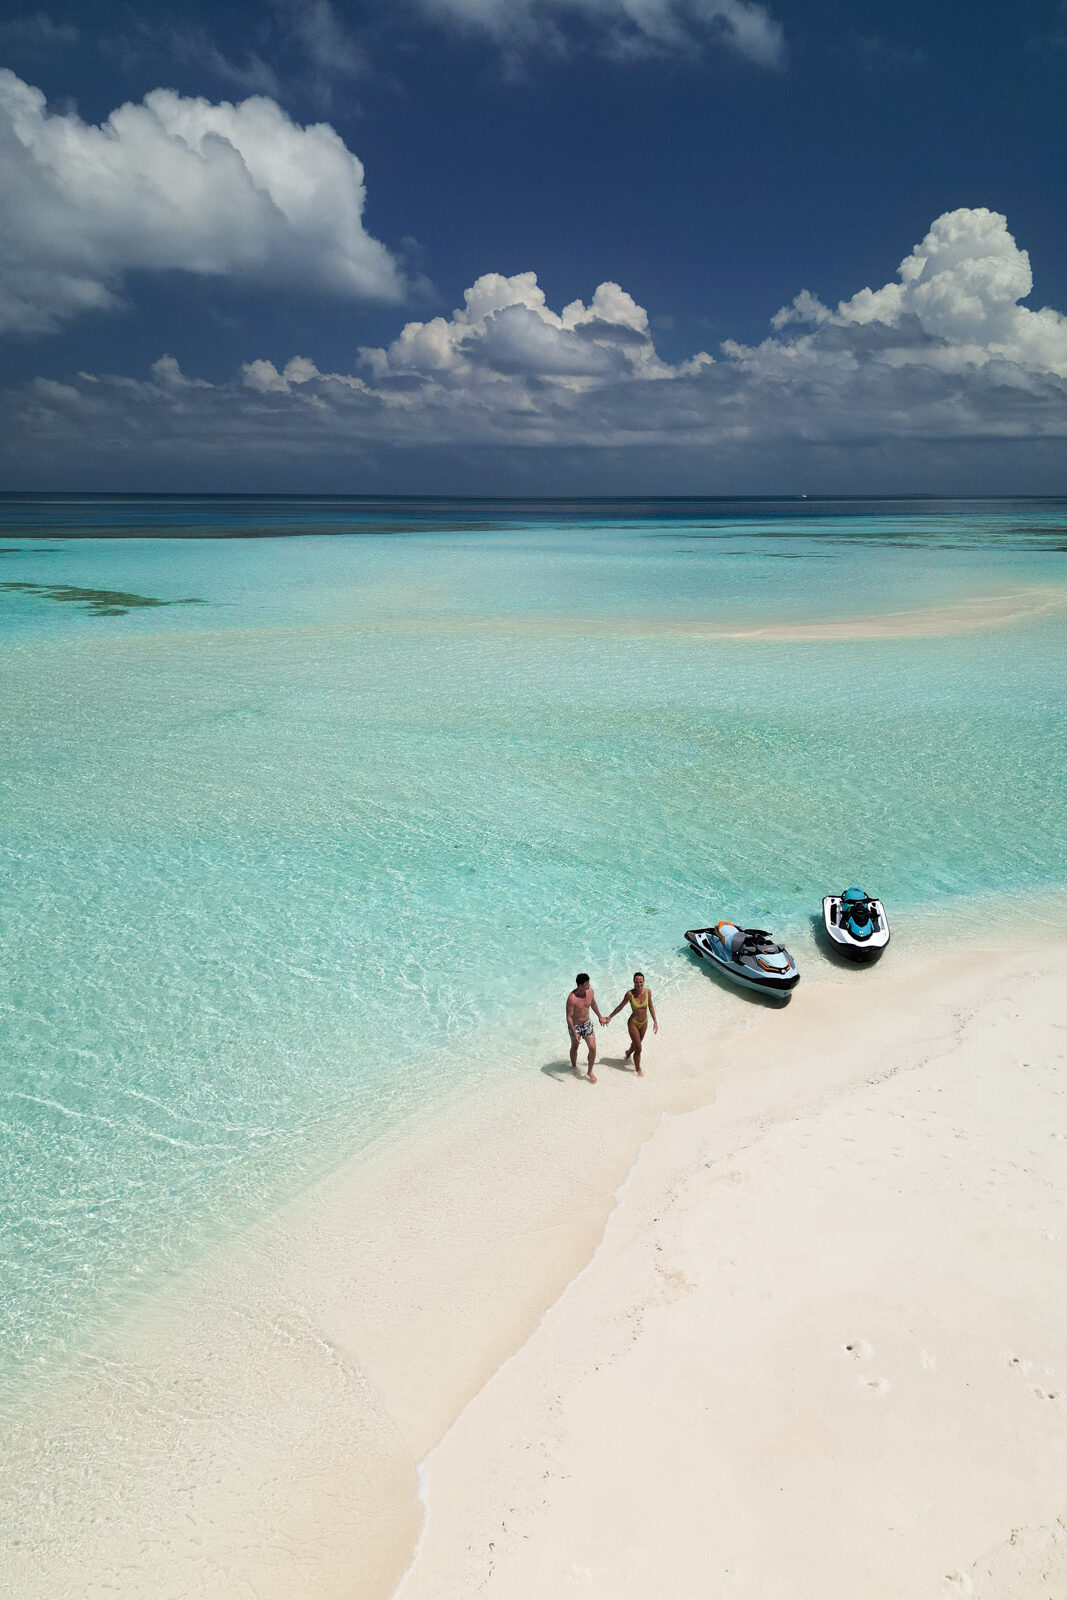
[582, 1000]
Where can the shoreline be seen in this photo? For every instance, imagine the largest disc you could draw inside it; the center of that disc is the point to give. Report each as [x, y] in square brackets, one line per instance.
[265, 1418]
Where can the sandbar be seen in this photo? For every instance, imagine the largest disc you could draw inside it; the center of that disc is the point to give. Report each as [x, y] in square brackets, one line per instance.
[972, 614]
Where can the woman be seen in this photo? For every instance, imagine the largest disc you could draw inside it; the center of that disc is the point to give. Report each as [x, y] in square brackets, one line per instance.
[641, 1008]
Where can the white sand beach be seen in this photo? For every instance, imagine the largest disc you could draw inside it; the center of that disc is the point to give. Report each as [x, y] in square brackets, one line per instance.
[821, 1351]
[818, 1350]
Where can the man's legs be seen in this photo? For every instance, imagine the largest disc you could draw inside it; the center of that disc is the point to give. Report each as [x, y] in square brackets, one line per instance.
[591, 1041]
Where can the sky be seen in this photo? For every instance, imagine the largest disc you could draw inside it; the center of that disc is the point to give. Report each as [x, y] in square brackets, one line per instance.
[534, 247]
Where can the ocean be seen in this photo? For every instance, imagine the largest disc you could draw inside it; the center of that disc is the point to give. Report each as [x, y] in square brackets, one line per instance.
[311, 808]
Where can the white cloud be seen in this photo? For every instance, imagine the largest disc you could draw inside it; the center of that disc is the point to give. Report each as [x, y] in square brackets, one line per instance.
[236, 191]
[804, 307]
[941, 359]
[505, 327]
[621, 27]
[960, 287]
[264, 377]
[169, 375]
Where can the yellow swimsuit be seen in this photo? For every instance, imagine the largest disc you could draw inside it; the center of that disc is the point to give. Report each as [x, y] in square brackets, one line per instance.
[639, 1010]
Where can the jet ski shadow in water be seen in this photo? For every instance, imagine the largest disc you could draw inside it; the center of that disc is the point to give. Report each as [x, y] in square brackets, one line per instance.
[747, 956]
[856, 925]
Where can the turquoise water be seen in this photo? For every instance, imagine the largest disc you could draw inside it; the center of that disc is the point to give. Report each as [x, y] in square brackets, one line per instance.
[283, 866]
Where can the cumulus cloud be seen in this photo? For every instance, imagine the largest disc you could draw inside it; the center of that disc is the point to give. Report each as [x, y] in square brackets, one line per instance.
[506, 328]
[954, 306]
[221, 190]
[939, 358]
[619, 27]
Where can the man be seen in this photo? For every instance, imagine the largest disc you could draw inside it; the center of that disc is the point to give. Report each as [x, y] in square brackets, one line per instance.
[580, 1002]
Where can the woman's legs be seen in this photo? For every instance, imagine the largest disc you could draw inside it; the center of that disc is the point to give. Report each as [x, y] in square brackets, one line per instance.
[637, 1035]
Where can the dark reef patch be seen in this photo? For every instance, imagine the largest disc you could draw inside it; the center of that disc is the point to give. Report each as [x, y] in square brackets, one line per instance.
[98, 602]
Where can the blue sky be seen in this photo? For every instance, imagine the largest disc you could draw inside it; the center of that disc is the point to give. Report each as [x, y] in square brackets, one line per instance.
[216, 224]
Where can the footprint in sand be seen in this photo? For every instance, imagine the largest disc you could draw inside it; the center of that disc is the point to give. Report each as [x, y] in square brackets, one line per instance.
[860, 1350]
[1038, 1390]
[959, 1583]
[927, 1360]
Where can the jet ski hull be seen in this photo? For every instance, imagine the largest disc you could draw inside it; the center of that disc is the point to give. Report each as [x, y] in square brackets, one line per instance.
[859, 950]
[778, 985]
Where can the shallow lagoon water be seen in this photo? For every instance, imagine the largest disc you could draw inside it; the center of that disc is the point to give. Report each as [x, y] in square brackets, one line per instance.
[286, 867]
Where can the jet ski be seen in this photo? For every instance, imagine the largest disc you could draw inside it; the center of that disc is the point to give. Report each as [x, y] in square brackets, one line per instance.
[856, 924]
[747, 955]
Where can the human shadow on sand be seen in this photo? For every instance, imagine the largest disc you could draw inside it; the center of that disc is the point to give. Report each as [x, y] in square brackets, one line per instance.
[769, 1002]
[562, 1070]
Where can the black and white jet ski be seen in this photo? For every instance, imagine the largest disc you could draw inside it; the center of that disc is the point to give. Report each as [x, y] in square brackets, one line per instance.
[856, 924]
[748, 956]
